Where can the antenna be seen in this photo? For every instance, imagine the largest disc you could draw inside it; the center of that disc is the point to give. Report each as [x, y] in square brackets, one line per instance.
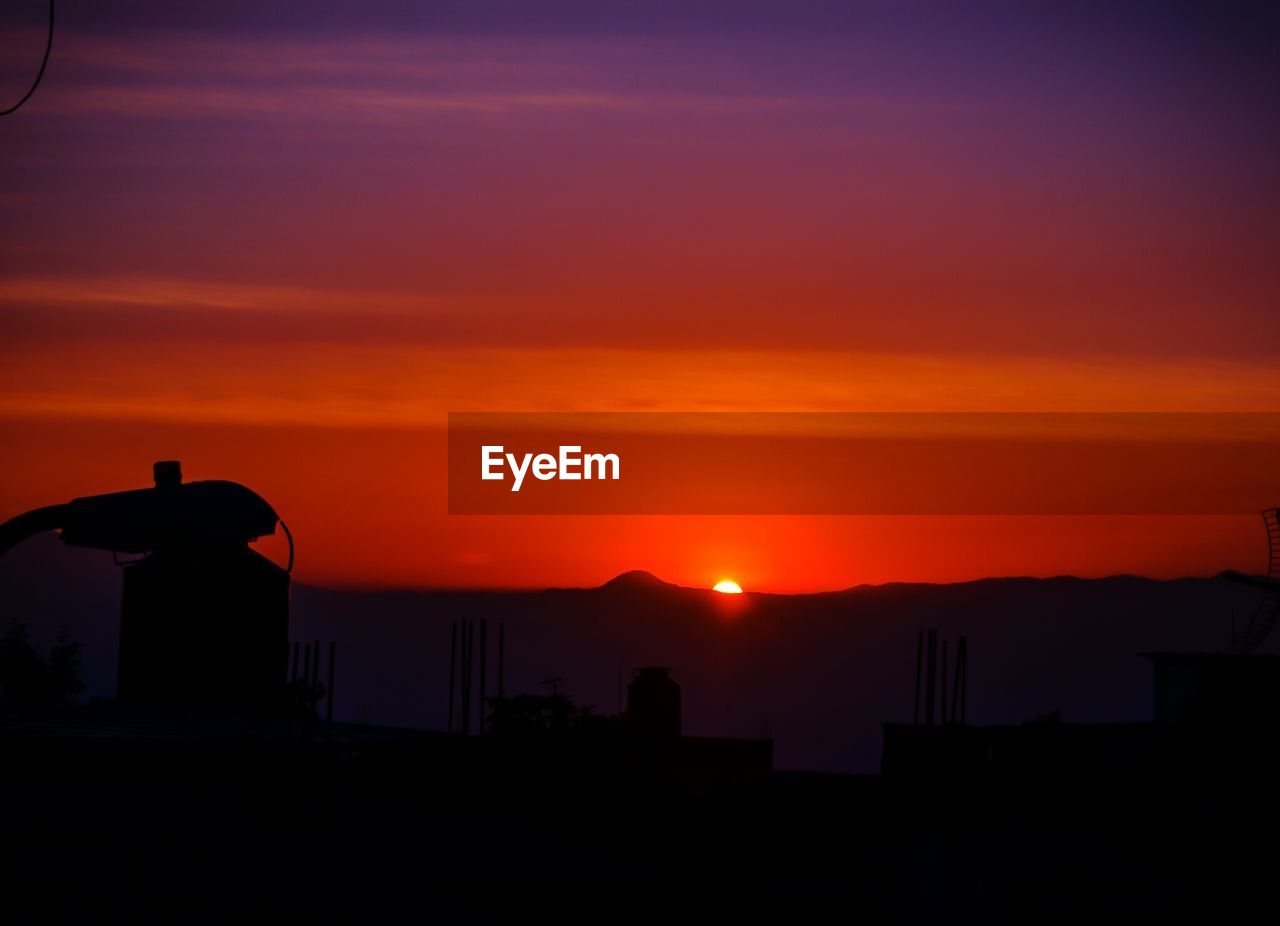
[915, 716]
[483, 638]
[957, 691]
[942, 687]
[502, 658]
[931, 673]
[328, 692]
[453, 664]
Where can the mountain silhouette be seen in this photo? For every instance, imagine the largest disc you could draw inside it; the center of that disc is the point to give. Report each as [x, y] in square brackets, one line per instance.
[637, 578]
[819, 672]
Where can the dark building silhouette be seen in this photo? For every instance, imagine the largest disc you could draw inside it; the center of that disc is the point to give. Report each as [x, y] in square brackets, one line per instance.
[1219, 691]
[653, 703]
[1210, 711]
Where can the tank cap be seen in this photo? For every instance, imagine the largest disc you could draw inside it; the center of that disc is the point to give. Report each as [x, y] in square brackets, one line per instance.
[167, 473]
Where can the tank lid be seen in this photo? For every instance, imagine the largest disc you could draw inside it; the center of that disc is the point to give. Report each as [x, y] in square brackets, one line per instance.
[167, 473]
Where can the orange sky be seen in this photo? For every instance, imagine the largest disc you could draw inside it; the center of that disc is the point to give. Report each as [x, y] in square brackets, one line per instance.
[284, 256]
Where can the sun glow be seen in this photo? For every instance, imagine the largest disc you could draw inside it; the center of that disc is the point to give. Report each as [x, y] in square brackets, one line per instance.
[727, 587]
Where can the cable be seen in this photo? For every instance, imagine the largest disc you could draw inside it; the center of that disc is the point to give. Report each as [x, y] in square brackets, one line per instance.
[43, 64]
[289, 534]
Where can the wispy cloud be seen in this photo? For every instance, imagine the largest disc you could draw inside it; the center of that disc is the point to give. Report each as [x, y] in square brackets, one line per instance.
[113, 293]
[370, 79]
[413, 385]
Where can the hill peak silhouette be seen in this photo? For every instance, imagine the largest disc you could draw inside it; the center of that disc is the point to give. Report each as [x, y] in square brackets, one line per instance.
[637, 578]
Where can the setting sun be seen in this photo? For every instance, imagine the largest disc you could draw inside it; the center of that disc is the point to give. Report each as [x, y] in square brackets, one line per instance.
[727, 587]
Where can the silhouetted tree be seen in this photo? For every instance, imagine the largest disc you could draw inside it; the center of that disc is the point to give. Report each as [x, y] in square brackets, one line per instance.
[28, 679]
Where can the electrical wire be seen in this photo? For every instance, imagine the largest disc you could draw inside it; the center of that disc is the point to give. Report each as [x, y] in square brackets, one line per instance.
[43, 64]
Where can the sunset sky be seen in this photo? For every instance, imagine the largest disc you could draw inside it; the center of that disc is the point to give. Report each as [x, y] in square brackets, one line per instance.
[282, 244]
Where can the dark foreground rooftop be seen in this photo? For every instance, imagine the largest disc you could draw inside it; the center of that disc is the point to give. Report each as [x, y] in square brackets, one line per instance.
[111, 820]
